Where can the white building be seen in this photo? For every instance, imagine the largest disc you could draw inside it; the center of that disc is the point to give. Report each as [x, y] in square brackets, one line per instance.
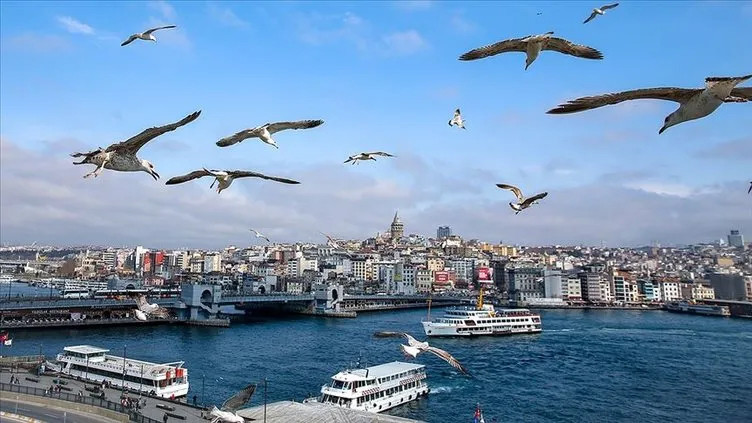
[212, 263]
[552, 284]
[670, 291]
[423, 280]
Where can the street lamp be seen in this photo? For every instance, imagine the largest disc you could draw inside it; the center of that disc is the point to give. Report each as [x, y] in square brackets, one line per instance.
[264, 400]
[122, 384]
[203, 390]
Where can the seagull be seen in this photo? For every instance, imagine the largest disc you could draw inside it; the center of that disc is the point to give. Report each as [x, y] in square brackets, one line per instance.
[601, 11]
[146, 35]
[265, 131]
[122, 156]
[260, 235]
[140, 315]
[146, 310]
[749, 191]
[228, 412]
[331, 241]
[415, 347]
[457, 120]
[532, 45]
[694, 103]
[522, 202]
[224, 178]
[366, 156]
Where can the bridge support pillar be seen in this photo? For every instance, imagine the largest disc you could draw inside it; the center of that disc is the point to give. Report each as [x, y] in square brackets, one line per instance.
[202, 302]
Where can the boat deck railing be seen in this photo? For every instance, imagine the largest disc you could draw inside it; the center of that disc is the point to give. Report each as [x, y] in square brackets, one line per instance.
[64, 396]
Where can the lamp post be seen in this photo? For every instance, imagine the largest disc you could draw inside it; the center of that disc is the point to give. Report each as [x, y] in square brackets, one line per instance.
[122, 384]
[141, 382]
[264, 400]
[87, 367]
[203, 388]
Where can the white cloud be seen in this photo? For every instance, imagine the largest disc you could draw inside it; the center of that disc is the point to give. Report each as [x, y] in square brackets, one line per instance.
[405, 42]
[75, 26]
[225, 16]
[662, 188]
[164, 9]
[461, 25]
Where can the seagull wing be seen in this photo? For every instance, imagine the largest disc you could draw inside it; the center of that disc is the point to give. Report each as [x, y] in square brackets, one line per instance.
[386, 334]
[350, 159]
[129, 40]
[301, 124]
[240, 399]
[147, 32]
[536, 197]
[188, 177]
[249, 174]
[679, 95]
[514, 189]
[446, 357]
[609, 6]
[457, 113]
[515, 44]
[744, 92]
[239, 136]
[592, 16]
[133, 144]
[380, 153]
[750, 188]
[563, 46]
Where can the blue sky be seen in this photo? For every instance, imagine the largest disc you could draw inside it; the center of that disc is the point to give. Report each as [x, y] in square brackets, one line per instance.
[383, 76]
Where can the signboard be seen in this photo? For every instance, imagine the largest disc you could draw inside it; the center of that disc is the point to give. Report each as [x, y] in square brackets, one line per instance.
[485, 274]
[441, 277]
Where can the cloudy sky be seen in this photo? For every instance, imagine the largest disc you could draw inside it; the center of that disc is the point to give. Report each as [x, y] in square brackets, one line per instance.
[383, 76]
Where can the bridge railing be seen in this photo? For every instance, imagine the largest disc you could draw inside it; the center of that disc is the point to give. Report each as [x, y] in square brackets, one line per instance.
[64, 396]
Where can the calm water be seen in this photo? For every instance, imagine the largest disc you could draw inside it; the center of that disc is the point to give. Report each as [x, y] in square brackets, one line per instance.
[587, 366]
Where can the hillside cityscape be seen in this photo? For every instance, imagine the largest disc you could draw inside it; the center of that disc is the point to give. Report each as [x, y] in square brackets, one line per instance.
[397, 264]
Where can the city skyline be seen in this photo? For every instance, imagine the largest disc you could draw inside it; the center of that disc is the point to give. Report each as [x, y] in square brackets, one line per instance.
[611, 179]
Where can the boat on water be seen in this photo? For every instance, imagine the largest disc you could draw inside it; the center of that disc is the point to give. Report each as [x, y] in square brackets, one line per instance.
[93, 364]
[6, 279]
[704, 309]
[376, 388]
[483, 319]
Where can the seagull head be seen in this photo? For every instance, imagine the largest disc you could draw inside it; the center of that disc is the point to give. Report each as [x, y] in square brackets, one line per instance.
[148, 167]
[670, 121]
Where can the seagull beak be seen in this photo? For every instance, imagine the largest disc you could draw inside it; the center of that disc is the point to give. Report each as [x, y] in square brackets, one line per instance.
[527, 65]
[660, 131]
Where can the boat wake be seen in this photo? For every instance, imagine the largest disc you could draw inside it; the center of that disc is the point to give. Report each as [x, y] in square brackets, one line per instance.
[441, 390]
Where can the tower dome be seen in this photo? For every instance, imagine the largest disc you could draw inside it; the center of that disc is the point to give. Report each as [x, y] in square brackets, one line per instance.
[397, 228]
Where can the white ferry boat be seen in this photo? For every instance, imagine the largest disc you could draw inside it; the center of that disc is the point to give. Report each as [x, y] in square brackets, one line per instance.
[6, 279]
[95, 365]
[483, 320]
[376, 388]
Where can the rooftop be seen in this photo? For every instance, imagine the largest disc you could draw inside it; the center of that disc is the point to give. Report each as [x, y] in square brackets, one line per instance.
[86, 349]
[381, 370]
[295, 412]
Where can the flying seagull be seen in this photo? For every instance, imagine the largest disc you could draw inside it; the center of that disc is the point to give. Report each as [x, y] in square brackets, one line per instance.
[223, 178]
[265, 131]
[522, 202]
[228, 412]
[146, 310]
[415, 347]
[601, 11]
[694, 103]
[146, 35]
[331, 241]
[366, 156]
[457, 120]
[260, 235]
[749, 191]
[532, 45]
[122, 156]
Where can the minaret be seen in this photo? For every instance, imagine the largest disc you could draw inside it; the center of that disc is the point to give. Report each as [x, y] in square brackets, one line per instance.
[397, 228]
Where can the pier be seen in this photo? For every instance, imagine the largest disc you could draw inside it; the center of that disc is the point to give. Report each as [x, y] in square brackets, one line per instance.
[201, 304]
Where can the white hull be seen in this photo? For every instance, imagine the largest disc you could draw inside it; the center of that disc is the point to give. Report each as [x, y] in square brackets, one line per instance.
[442, 329]
[145, 387]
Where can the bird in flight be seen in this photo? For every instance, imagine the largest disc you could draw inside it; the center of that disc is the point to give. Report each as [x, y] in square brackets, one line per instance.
[146, 310]
[146, 35]
[264, 132]
[260, 235]
[331, 242]
[122, 156]
[522, 202]
[694, 103]
[457, 120]
[354, 159]
[415, 347]
[749, 191]
[600, 11]
[224, 178]
[532, 45]
[228, 412]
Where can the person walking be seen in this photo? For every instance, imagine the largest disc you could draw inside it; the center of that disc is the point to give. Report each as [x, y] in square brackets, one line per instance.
[164, 418]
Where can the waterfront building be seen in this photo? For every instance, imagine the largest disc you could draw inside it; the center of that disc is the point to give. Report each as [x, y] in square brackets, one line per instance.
[362, 269]
[573, 289]
[748, 286]
[595, 287]
[728, 286]
[443, 232]
[623, 286]
[697, 291]
[647, 291]
[423, 280]
[735, 239]
[397, 229]
[670, 290]
[552, 284]
[525, 283]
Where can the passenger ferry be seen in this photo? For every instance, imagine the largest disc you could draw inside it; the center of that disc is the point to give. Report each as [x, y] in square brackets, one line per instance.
[483, 319]
[74, 293]
[704, 309]
[95, 365]
[376, 388]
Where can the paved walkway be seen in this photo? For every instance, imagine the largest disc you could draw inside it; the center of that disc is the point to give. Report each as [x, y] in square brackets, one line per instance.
[191, 414]
[26, 412]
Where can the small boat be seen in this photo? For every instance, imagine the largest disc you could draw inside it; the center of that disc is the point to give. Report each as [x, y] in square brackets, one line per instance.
[376, 388]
